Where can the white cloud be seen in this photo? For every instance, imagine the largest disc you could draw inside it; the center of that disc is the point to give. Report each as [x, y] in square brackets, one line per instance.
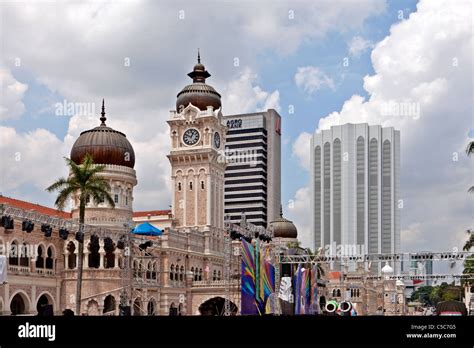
[12, 92]
[311, 79]
[242, 95]
[358, 45]
[27, 165]
[301, 149]
[298, 213]
[84, 61]
[424, 63]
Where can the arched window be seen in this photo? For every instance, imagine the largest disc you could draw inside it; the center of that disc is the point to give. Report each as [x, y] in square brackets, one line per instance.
[218, 275]
[50, 258]
[149, 269]
[71, 261]
[176, 273]
[40, 257]
[200, 274]
[24, 260]
[179, 186]
[181, 273]
[94, 256]
[109, 248]
[191, 185]
[109, 304]
[338, 292]
[202, 184]
[334, 293]
[172, 272]
[151, 308]
[214, 275]
[154, 271]
[13, 257]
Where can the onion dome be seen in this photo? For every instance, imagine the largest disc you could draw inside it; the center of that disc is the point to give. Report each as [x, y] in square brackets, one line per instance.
[105, 145]
[283, 228]
[198, 93]
[387, 269]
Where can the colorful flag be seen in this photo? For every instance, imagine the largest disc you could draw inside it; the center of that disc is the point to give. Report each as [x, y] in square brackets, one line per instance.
[249, 305]
[314, 308]
[297, 287]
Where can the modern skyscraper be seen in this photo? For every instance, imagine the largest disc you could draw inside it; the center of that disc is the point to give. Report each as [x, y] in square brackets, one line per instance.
[253, 172]
[355, 189]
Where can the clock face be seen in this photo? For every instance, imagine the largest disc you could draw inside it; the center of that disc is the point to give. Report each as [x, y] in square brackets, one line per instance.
[217, 140]
[191, 136]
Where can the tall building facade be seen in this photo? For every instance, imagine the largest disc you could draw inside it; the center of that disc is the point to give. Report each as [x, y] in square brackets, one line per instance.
[253, 173]
[355, 189]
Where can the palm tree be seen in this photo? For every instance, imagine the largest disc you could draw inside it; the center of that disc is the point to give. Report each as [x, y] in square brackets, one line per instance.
[470, 242]
[84, 179]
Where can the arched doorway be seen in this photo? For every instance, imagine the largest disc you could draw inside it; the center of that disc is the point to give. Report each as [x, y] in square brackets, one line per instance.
[215, 307]
[137, 307]
[109, 304]
[151, 307]
[44, 301]
[173, 309]
[19, 304]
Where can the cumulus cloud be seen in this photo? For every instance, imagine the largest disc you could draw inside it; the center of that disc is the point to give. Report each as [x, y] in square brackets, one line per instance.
[116, 50]
[358, 45]
[311, 79]
[422, 86]
[11, 95]
[243, 95]
[301, 150]
[27, 166]
[298, 212]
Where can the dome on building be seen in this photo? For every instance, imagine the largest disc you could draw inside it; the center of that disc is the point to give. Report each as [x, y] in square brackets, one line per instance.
[106, 145]
[387, 269]
[283, 228]
[198, 93]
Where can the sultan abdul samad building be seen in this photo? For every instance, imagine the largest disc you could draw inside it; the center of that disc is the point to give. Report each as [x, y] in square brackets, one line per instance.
[185, 274]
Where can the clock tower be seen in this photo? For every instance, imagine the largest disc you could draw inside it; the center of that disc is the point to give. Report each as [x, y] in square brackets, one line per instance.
[197, 155]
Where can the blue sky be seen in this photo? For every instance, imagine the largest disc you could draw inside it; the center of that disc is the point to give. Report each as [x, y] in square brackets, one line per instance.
[275, 72]
[71, 51]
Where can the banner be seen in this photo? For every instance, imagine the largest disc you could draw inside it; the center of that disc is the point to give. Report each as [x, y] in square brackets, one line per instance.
[248, 295]
[314, 308]
[297, 287]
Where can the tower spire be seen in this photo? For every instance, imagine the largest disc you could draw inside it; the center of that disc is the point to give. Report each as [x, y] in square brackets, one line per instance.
[103, 118]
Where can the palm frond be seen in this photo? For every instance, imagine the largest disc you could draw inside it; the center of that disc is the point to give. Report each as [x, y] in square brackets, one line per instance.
[470, 148]
[63, 197]
[59, 184]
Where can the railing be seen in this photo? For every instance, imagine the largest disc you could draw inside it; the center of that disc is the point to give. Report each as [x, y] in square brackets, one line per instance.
[45, 271]
[213, 283]
[19, 269]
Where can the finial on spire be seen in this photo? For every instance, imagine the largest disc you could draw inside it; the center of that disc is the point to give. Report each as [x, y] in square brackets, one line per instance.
[281, 210]
[103, 118]
[199, 57]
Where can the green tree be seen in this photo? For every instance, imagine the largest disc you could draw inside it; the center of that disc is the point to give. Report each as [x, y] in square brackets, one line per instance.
[425, 295]
[84, 180]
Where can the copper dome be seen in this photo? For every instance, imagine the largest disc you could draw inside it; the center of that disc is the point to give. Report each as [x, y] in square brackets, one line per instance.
[198, 93]
[283, 228]
[106, 145]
